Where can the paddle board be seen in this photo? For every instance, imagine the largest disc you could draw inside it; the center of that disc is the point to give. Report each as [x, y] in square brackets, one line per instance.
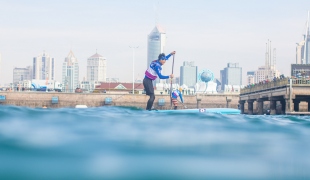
[205, 110]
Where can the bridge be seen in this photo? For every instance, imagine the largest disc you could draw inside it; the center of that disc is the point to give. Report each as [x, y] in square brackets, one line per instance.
[287, 92]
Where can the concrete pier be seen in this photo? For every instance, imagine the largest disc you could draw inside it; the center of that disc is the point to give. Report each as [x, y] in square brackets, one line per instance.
[285, 96]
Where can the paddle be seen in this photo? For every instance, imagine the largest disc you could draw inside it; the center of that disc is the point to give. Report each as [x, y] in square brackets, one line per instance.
[182, 104]
[171, 83]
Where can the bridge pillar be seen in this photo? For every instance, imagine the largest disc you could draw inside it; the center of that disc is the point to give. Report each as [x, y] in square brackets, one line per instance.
[283, 106]
[260, 104]
[241, 103]
[198, 103]
[296, 105]
[198, 98]
[287, 105]
[250, 107]
[273, 104]
[308, 106]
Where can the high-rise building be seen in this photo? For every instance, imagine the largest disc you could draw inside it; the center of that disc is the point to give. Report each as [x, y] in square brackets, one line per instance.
[231, 75]
[260, 74]
[300, 70]
[0, 67]
[96, 68]
[306, 59]
[156, 42]
[43, 67]
[267, 72]
[176, 80]
[300, 52]
[303, 47]
[188, 74]
[21, 74]
[223, 78]
[250, 77]
[70, 73]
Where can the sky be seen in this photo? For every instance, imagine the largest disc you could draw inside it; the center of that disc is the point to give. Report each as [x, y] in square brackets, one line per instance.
[210, 33]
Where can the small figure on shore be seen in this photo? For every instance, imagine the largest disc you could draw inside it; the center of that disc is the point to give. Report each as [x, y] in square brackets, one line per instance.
[174, 97]
[78, 90]
[151, 74]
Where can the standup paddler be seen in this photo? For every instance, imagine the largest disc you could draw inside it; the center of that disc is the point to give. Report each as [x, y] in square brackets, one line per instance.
[174, 97]
[151, 74]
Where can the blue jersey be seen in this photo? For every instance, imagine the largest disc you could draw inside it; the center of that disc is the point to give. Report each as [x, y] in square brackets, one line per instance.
[175, 94]
[154, 70]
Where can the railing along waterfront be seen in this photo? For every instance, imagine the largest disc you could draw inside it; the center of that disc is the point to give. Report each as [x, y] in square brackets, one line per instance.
[274, 85]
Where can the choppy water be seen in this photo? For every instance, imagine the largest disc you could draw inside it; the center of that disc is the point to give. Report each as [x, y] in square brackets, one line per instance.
[129, 143]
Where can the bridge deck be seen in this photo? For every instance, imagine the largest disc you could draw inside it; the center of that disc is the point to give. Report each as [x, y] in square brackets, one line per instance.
[298, 113]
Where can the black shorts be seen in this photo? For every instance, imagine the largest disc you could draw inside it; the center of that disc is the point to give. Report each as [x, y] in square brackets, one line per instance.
[148, 86]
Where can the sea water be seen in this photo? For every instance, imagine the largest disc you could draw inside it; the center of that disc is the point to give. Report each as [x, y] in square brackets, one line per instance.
[131, 143]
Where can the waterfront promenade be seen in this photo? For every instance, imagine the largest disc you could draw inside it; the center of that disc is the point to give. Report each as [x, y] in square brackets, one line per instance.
[59, 99]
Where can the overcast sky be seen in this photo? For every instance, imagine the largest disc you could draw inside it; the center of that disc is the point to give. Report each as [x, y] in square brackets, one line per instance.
[211, 33]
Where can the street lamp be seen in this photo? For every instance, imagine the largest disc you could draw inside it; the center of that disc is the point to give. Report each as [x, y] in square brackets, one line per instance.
[109, 84]
[133, 67]
[46, 82]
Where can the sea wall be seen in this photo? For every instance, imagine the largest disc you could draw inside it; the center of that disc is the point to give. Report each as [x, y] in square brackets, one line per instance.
[44, 99]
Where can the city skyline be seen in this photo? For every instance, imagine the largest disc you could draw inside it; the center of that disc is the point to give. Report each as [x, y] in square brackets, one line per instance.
[204, 32]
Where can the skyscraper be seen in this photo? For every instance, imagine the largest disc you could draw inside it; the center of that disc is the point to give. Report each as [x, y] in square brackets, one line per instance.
[188, 74]
[306, 52]
[156, 42]
[231, 75]
[96, 68]
[300, 52]
[260, 74]
[303, 47]
[250, 77]
[306, 57]
[70, 73]
[223, 78]
[43, 67]
[0, 67]
[21, 74]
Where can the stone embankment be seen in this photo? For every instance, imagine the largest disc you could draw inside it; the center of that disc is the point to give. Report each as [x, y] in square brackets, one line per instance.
[60, 99]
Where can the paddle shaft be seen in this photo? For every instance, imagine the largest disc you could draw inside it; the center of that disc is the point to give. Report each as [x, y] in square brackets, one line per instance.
[182, 104]
[171, 82]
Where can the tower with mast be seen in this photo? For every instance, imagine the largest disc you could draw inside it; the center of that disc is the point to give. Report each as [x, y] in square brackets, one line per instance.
[306, 48]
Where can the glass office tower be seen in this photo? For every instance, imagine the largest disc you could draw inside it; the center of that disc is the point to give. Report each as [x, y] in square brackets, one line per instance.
[188, 74]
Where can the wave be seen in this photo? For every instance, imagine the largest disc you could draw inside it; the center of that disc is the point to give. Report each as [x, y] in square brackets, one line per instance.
[128, 142]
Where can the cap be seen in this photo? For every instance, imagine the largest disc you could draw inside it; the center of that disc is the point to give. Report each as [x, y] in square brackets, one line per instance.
[162, 56]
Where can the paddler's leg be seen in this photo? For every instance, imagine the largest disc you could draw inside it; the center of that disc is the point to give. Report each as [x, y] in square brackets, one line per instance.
[150, 102]
[175, 103]
[149, 89]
